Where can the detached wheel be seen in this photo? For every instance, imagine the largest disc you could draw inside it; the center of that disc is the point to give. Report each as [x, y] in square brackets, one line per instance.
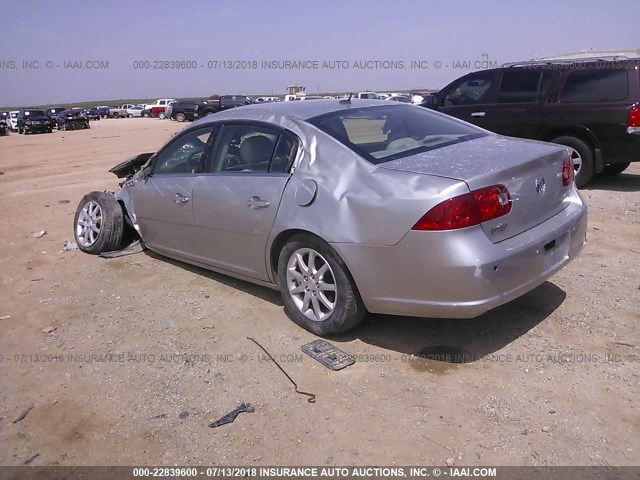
[98, 223]
[181, 117]
[581, 157]
[615, 169]
[317, 288]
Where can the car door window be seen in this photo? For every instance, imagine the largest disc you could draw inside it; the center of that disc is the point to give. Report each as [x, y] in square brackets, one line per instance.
[251, 149]
[474, 90]
[184, 153]
[519, 86]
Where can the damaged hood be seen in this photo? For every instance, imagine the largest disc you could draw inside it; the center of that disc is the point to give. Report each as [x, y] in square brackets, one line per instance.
[131, 165]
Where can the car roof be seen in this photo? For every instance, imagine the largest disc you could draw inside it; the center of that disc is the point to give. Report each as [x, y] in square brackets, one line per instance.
[294, 109]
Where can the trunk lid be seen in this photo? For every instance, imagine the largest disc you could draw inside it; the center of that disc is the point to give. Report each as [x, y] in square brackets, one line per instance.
[531, 171]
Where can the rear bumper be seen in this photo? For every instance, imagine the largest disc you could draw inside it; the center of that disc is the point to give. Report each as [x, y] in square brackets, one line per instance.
[461, 273]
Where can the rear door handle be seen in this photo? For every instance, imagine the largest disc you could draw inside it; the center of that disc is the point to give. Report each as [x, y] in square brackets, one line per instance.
[179, 198]
[256, 202]
[478, 114]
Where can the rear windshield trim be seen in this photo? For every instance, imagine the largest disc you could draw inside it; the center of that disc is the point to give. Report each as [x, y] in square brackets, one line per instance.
[316, 122]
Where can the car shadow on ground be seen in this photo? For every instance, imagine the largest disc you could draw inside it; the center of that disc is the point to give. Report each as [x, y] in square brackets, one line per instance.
[456, 340]
[625, 182]
[447, 340]
[264, 293]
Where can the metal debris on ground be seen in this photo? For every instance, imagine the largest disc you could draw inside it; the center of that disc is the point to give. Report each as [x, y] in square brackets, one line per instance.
[24, 413]
[39, 234]
[231, 416]
[135, 247]
[312, 397]
[328, 355]
[64, 201]
[5, 317]
[69, 245]
[31, 459]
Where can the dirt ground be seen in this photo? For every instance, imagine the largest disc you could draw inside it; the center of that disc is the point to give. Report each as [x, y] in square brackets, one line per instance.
[146, 351]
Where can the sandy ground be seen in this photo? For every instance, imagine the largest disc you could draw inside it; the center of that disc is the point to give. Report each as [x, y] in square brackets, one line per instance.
[147, 351]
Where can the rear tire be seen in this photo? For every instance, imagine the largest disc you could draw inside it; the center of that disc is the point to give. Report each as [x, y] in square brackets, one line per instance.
[581, 156]
[181, 117]
[328, 304]
[98, 224]
[615, 169]
[116, 115]
[162, 116]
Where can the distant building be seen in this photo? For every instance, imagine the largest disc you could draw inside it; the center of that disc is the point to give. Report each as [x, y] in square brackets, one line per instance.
[630, 53]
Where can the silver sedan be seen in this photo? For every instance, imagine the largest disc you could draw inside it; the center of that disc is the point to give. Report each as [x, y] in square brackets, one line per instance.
[350, 207]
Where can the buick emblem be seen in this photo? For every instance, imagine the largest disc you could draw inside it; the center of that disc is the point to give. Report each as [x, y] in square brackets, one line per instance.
[540, 186]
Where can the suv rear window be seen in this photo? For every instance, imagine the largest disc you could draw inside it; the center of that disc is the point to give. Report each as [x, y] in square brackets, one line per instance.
[595, 86]
[385, 133]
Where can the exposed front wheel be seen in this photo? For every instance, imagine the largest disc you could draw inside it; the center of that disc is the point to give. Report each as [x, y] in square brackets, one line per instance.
[161, 116]
[317, 288]
[581, 157]
[181, 117]
[98, 223]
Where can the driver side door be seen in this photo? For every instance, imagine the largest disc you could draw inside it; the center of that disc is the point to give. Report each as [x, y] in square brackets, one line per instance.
[162, 201]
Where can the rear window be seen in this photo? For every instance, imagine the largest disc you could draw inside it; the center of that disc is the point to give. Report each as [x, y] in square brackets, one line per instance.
[602, 85]
[385, 133]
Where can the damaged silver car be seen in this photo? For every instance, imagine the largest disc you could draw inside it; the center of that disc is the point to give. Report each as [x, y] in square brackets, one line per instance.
[350, 206]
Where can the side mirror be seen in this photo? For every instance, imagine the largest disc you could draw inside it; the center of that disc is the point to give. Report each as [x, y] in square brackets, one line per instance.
[146, 171]
[431, 101]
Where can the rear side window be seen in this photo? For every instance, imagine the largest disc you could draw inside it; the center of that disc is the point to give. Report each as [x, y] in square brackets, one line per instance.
[602, 85]
[522, 86]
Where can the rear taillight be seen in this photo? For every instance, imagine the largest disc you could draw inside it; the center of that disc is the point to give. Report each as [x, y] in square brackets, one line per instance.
[567, 170]
[467, 210]
[633, 120]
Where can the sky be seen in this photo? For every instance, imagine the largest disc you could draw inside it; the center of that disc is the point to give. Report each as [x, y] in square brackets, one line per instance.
[47, 48]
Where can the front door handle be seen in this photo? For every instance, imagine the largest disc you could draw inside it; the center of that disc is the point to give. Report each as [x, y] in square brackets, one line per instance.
[179, 198]
[478, 114]
[256, 202]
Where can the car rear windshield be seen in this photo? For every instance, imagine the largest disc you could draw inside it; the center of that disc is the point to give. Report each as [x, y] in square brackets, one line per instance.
[385, 133]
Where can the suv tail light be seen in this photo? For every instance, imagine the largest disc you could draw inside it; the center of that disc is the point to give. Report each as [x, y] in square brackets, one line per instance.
[467, 210]
[633, 120]
[567, 170]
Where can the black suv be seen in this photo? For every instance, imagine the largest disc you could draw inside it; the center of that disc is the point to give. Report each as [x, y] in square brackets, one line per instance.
[232, 101]
[72, 120]
[182, 110]
[589, 105]
[30, 121]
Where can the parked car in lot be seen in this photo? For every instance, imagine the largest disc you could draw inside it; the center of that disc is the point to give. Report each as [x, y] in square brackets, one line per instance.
[117, 112]
[72, 120]
[4, 125]
[53, 113]
[591, 106]
[103, 111]
[34, 120]
[92, 113]
[13, 120]
[471, 219]
[182, 110]
[399, 98]
[161, 102]
[134, 111]
[232, 101]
